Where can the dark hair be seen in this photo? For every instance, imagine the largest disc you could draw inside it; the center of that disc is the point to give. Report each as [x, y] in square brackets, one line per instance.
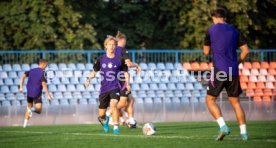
[42, 61]
[219, 12]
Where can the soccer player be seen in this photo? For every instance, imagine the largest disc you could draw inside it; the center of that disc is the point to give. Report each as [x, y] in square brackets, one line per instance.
[36, 82]
[223, 40]
[126, 99]
[111, 67]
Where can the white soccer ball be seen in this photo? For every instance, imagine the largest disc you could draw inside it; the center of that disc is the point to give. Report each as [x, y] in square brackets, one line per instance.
[149, 129]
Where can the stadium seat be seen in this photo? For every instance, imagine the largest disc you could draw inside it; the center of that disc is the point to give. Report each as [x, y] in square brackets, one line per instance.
[77, 95]
[268, 92]
[14, 89]
[34, 66]
[98, 86]
[135, 87]
[8, 81]
[261, 78]
[245, 72]
[92, 101]
[160, 66]
[80, 87]
[73, 101]
[138, 79]
[169, 66]
[178, 66]
[16, 67]
[25, 67]
[10, 96]
[65, 80]
[160, 93]
[142, 93]
[67, 95]
[58, 95]
[71, 87]
[272, 65]
[175, 100]
[263, 72]
[3, 75]
[243, 78]
[189, 86]
[272, 72]
[247, 65]
[174, 79]
[62, 66]
[143, 66]
[80, 66]
[52, 88]
[185, 100]
[77, 74]
[144, 87]
[251, 85]
[271, 78]
[204, 66]
[7, 67]
[71, 66]
[169, 93]
[151, 66]
[86, 94]
[195, 66]
[260, 85]
[269, 85]
[253, 78]
[166, 100]
[178, 93]
[55, 81]
[157, 100]
[2, 97]
[162, 86]
[254, 72]
[187, 66]
[180, 86]
[151, 93]
[90, 88]
[171, 86]
[153, 86]
[257, 98]
[68, 73]
[265, 65]
[20, 96]
[198, 86]
[256, 65]
[6, 103]
[54, 102]
[89, 66]
[12, 74]
[74, 80]
[191, 78]
[267, 98]
[139, 100]
[61, 88]
[187, 93]
[1, 82]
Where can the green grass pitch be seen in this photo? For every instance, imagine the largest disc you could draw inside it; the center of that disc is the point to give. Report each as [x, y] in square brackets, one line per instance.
[169, 135]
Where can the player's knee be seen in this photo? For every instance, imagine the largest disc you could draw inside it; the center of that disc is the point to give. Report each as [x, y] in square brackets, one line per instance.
[113, 103]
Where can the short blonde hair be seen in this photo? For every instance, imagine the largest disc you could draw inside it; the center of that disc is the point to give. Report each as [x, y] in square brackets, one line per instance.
[120, 35]
[109, 38]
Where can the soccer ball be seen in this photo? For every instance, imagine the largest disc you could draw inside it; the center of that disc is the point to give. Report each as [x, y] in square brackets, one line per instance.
[131, 124]
[149, 129]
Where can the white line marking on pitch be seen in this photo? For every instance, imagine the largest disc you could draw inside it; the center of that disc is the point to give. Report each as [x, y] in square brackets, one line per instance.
[140, 136]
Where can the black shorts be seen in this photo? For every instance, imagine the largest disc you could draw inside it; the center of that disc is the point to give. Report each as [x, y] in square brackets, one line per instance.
[231, 84]
[106, 97]
[34, 99]
[124, 92]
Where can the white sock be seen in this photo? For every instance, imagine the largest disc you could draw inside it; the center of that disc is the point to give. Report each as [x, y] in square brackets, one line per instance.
[243, 129]
[131, 120]
[107, 113]
[122, 119]
[126, 114]
[116, 126]
[220, 121]
[25, 123]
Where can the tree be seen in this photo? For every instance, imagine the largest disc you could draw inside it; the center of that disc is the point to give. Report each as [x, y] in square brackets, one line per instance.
[51, 24]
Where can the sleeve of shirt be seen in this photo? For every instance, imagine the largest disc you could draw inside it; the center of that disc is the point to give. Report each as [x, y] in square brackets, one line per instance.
[241, 40]
[27, 73]
[124, 66]
[207, 40]
[44, 77]
[97, 65]
[125, 54]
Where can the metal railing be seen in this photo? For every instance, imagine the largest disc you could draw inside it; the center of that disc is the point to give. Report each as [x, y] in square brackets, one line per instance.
[138, 56]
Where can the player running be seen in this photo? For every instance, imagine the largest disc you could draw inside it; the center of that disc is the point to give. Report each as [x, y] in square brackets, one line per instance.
[223, 39]
[111, 67]
[36, 82]
[126, 99]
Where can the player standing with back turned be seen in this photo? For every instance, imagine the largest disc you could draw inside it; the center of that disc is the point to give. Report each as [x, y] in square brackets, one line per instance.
[223, 40]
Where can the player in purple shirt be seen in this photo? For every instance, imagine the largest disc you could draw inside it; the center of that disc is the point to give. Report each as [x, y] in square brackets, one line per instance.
[223, 40]
[36, 82]
[112, 69]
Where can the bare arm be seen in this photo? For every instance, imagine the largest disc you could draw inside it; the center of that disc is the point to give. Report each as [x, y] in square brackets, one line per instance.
[132, 65]
[91, 76]
[206, 49]
[127, 77]
[245, 50]
[21, 82]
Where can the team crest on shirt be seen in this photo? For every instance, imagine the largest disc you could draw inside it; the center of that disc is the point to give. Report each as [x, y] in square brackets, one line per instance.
[104, 65]
[109, 65]
[115, 66]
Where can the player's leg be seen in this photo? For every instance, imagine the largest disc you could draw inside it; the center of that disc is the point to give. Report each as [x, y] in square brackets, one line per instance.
[38, 105]
[130, 112]
[122, 104]
[28, 113]
[115, 97]
[234, 90]
[103, 119]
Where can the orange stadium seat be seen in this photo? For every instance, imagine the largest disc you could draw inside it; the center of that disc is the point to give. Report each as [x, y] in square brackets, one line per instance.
[265, 65]
[269, 85]
[243, 78]
[272, 71]
[272, 65]
[267, 92]
[257, 98]
[254, 72]
[261, 78]
[260, 85]
[263, 72]
[245, 72]
[195, 66]
[251, 85]
[258, 92]
[187, 66]
[204, 66]
[243, 85]
[270, 78]
[256, 65]
[247, 65]
[267, 98]
[253, 78]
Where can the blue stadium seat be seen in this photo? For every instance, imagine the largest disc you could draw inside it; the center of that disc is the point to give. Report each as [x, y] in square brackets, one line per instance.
[58, 95]
[155, 79]
[1, 82]
[142, 93]
[135, 87]
[146, 80]
[34, 66]
[68, 73]
[93, 81]
[169, 66]
[83, 101]
[153, 86]
[12, 74]
[52, 66]
[148, 100]
[161, 66]
[164, 79]
[61, 88]
[139, 100]
[187, 93]
[16, 81]
[138, 79]
[174, 79]
[2, 97]
[95, 93]
[184, 72]
[144, 86]
[77, 95]
[171, 86]
[185, 99]
[89, 66]
[143, 66]
[178, 93]
[92, 101]
[16, 67]
[25, 67]
[202, 99]
[24, 103]
[97, 87]
[20, 73]
[54, 102]
[3, 75]
[160, 93]
[15, 103]
[198, 86]
[192, 79]
[90, 88]
[10, 96]
[8, 81]
[151, 66]
[151, 93]
[6, 103]
[71, 66]
[180, 86]
[189, 86]
[65, 81]
[62, 66]
[175, 100]
[132, 72]
[67, 95]
[73, 101]
[14, 89]
[178, 66]
[80, 66]
[1, 68]
[183, 79]
[71, 87]
[162, 86]
[86, 96]
[55, 81]
[196, 93]
[169, 93]
[194, 99]
[77, 74]
[7, 67]
[166, 100]
[167, 73]
[64, 102]
[80, 87]
[52, 88]
[157, 100]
